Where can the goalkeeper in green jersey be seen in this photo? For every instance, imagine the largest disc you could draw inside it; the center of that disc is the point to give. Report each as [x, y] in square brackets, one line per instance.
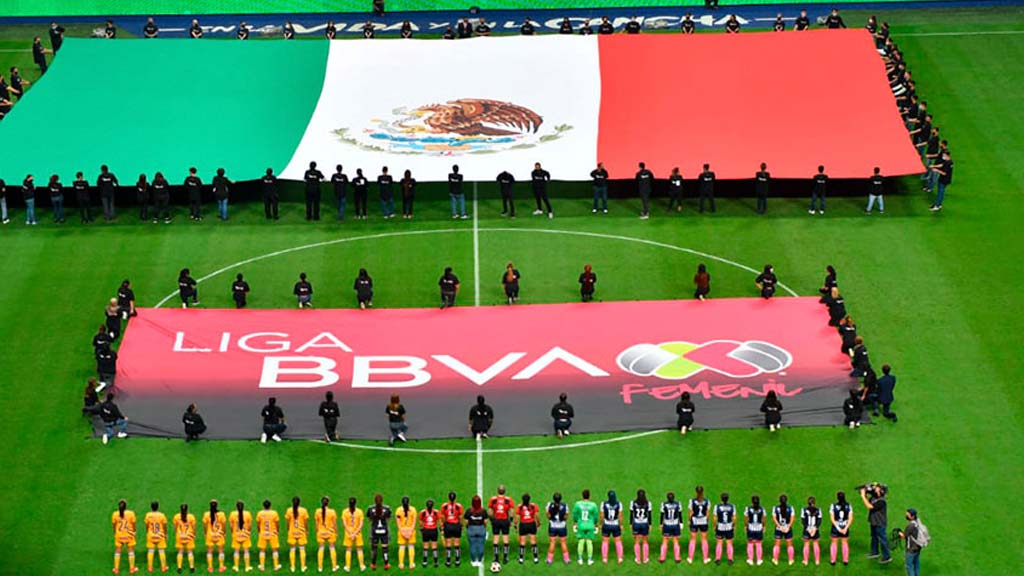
[584, 524]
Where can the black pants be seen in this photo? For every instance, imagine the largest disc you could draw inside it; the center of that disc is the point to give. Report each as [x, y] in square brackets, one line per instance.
[645, 201]
[508, 205]
[407, 205]
[84, 208]
[193, 432]
[239, 299]
[274, 429]
[447, 299]
[312, 204]
[195, 207]
[42, 65]
[270, 206]
[163, 207]
[360, 198]
[331, 427]
[587, 295]
[542, 195]
[762, 203]
[144, 209]
[674, 198]
[707, 195]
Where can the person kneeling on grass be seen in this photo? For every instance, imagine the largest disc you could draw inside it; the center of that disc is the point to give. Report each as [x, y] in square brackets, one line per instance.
[194, 425]
[449, 284]
[106, 366]
[562, 413]
[853, 409]
[772, 410]
[112, 418]
[481, 417]
[587, 281]
[303, 291]
[684, 409]
[187, 288]
[91, 399]
[364, 289]
[273, 421]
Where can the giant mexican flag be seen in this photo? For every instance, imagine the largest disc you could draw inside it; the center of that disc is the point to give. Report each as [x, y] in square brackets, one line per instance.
[791, 100]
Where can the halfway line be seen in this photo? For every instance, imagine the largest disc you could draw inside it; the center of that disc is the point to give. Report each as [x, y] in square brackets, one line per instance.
[476, 258]
[479, 442]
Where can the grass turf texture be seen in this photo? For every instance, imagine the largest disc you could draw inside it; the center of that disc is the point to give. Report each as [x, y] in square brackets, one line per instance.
[934, 294]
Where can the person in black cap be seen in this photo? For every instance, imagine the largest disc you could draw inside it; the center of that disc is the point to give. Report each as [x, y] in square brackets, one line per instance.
[481, 418]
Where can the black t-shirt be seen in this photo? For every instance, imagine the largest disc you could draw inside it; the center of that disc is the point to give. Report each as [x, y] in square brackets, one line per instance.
[947, 168]
[605, 28]
[313, 177]
[363, 286]
[340, 182]
[125, 296]
[302, 288]
[482, 30]
[185, 284]
[150, 30]
[160, 189]
[329, 409]
[732, 26]
[779, 25]
[505, 182]
[481, 415]
[37, 52]
[455, 184]
[562, 411]
[933, 145]
[106, 182]
[476, 517]
[586, 30]
[448, 34]
[194, 186]
[56, 190]
[767, 279]
[81, 188]
[676, 183]
[565, 27]
[243, 33]
[834, 21]
[820, 183]
[632, 27]
[526, 29]
[195, 31]
[688, 26]
[56, 37]
[600, 176]
[359, 184]
[101, 340]
[406, 30]
[272, 415]
[386, 183]
[268, 184]
[106, 360]
[877, 514]
[395, 414]
[110, 31]
[707, 181]
[877, 185]
[802, 23]
[239, 288]
[331, 31]
[540, 179]
[763, 180]
[109, 412]
[448, 283]
[644, 180]
[220, 186]
[514, 281]
[28, 189]
[685, 408]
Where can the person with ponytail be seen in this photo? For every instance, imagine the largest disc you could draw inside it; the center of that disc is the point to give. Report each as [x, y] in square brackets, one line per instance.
[380, 532]
[783, 516]
[326, 533]
[241, 535]
[476, 529]
[269, 524]
[611, 526]
[640, 523]
[430, 519]
[364, 289]
[185, 537]
[297, 519]
[841, 516]
[753, 520]
[123, 521]
[510, 280]
[684, 411]
[352, 522]
[156, 536]
[725, 521]
[810, 517]
[215, 528]
[771, 407]
[587, 281]
[451, 511]
[405, 518]
[697, 512]
[526, 521]
[671, 515]
[557, 512]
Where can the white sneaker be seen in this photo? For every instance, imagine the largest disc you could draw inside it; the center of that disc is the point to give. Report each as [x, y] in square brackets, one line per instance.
[276, 438]
[811, 212]
[644, 216]
[590, 561]
[538, 212]
[106, 438]
[401, 436]
[101, 387]
[580, 561]
[122, 434]
[750, 561]
[263, 438]
[594, 211]
[551, 215]
[464, 216]
[605, 210]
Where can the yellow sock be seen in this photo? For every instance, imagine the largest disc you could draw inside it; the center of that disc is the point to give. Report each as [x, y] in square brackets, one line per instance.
[131, 561]
[117, 561]
[163, 559]
[248, 562]
[320, 558]
[401, 556]
[291, 558]
[334, 558]
[360, 554]
[221, 558]
[235, 558]
[179, 560]
[348, 558]
[209, 560]
[263, 559]
[149, 560]
[302, 558]
[276, 562]
[191, 560]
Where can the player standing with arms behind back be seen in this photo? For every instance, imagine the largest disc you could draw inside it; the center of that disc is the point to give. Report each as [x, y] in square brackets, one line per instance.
[185, 537]
[241, 535]
[841, 515]
[698, 519]
[557, 512]
[123, 521]
[611, 526]
[215, 528]
[352, 522]
[156, 536]
[640, 522]
[783, 516]
[429, 521]
[297, 519]
[671, 514]
[753, 517]
[452, 513]
[725, 521]
[584, 524]
[526, 517]
[405, 517]
[810, 517]
[501, 507]
[380, 533]
[268, 524]
[326, 533]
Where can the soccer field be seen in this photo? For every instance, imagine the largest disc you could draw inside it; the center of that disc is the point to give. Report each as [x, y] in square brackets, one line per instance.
[934, 294]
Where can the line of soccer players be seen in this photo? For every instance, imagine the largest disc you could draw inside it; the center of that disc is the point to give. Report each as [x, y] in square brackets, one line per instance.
[445, 524]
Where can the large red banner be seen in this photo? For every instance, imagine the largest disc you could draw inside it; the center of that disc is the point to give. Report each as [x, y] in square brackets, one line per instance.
[623, 364]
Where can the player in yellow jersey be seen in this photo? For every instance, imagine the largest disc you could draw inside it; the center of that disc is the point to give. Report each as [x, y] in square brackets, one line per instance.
[241, 534]
[297, 519]
[185, 537]
[156, 536]
[215, 526]
[326, 533]
[352, 521]
[123, 521]
[268, 525]
[405, 517]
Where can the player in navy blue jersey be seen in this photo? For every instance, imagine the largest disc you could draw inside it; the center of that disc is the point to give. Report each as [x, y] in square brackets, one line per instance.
[698, 520]
[640, 524]
[611, 526]
[841, 516]
[783, 516]
[753, 520]
[671, 519]
[810, 517]
[725, 522]
[557, 512]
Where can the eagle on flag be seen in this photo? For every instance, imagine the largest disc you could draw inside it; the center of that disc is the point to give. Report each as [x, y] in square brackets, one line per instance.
[479, 117]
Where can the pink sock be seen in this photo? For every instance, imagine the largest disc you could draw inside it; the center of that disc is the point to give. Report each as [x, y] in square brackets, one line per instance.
[817, 553]
[704, 549]
[846, 551]
[789, 552]
[664, 551]
[760, 551]
[807, 552]
[677, 551]
[565, 555]
[729, 551]
[750, 551]
[832, 553]
[551, 557]
[636, 551]
[775, 553]
[718, 550]
[693, 547]
[618, 549]
[604, 550]
[647, 551]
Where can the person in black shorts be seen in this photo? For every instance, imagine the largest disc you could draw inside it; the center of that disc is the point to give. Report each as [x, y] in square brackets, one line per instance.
[810, 517]
[380, 533]
[753, 522]
[510, 281]
[187, 288]
[697, 512]
[685, 409]
[587, 281]
[841, 516]
[783, 516]
[611, 526]
[501, 508]
[430, 519]
[766, 282]
[451, 512]
[725, 521]
[239, 291]
[640, 525]
[449, 284]
[557, 513]
[364, 289]
[526, 521]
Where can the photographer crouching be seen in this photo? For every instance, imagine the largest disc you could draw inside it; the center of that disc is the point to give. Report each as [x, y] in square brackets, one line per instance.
[873, 495]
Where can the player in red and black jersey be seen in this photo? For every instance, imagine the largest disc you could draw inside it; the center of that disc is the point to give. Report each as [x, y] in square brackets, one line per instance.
[501, 508]
[429, 520]
[526, 516]
[451, 512]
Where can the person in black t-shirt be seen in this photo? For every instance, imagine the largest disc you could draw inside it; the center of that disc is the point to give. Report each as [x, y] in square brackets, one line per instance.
[313, 178]
[364, 289]
[876, 189]
[331, 31]
[732, 25]
[540, 178]
[39, 54]
[194, 425]
[239, 291]
[802, 22]
[18, 84]
[605, 27]
[187, 288]
[107, 183]
[818, 189]
[633, 26]
[221, 187]
[587, 281]
[510, 281]
[772, 410]
[4, 217]
[303, 292]
[449, 34]
[506, 181]
[834, 21]
[195, 30]
[481, 418]
[81, 187]
[456, 197]
[706, 188]
[482, 29]
[688, 26]
[273, 421]
[268, 187]
[112, 418]
[106, 366]
[161, 197]
[56, 36]
[406, 30]
[28, 194]
[396, 420]
[945, 178]
[644, 183]
[565, 27]
[585, 29]
[360, 193]
[243, 31]
[675, 190]
[339, 181]
[684, 411]
[762, 183]
[110, 31]
[195, 195]
[387, 193]
[527, 29]
[126, 300]
[150, 30]
[766, 281]
[562, 415]
[143, 197]
[408, 187]
[330, 412]
[449, 284]
[369, 31]
[600, 184]
[779, 25]
[57, 199]
[464, 29]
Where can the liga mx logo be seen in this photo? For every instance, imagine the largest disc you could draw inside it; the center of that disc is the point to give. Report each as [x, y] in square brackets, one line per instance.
[681, 360]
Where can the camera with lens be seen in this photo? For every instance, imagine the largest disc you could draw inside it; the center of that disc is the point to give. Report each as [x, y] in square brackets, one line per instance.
[871, 486]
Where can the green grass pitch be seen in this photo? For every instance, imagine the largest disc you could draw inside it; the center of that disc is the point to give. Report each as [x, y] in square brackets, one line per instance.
[936, 295]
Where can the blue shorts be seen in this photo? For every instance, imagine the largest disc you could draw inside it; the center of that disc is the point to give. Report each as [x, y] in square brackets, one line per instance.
[613, 531]
[557, 532]
[724, 534]
[641, 529]
[836, 534]
[780, 535]
[807, 536]
[671, 530]
[755, 536]
[698, 527]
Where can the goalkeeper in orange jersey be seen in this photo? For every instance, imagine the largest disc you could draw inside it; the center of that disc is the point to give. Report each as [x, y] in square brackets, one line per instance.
[352, 519]
[156, 536]
[268, 525]
[326, 533]
[405, 517]
[123, 521]
[241, 534]
[185, 537]
[215, 525]
[297, 519]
